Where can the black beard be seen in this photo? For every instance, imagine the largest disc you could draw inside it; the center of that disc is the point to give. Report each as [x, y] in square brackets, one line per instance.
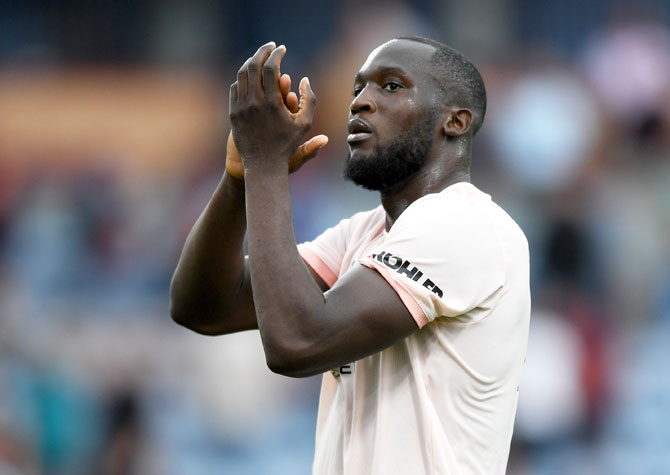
[392, 163]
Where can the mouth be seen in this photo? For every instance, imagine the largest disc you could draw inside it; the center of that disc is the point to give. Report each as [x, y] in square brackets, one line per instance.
[358, 131]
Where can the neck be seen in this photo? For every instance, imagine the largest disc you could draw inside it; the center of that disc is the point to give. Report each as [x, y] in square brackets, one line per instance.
[448, 163]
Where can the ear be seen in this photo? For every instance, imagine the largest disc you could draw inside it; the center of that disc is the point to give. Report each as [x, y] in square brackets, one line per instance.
[457, 122]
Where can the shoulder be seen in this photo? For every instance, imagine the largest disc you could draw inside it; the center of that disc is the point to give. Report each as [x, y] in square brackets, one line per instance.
[457, 201]
[347, 230]
[458, 209]
[365, 218]
[362, 222]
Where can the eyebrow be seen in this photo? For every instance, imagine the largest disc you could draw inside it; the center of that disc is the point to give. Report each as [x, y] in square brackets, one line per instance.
[383, 70]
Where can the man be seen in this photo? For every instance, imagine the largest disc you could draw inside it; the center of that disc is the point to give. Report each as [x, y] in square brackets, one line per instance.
[415, 312]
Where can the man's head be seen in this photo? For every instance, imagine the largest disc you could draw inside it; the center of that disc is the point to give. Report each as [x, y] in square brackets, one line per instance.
[459, 79]
[413, 98]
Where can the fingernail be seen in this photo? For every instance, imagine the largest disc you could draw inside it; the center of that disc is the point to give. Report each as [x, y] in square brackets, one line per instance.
[271, 43]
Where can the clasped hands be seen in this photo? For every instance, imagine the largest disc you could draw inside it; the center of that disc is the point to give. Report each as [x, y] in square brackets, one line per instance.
[268, 120]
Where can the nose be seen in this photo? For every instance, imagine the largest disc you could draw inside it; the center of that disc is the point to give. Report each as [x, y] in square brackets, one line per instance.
[363, 102]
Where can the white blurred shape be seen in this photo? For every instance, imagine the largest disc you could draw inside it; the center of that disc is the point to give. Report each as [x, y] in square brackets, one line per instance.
[630, 69]
[545, 127]
[551, 402]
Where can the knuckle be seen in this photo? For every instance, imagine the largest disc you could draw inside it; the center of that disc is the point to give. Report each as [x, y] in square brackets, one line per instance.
[253, 107]
[253, 67]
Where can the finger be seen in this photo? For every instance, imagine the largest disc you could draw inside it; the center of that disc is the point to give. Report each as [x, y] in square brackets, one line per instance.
[254, 68]
[285, 85]
[242, 83]
[232, 96]
[290, 98]
[307, 151]
[307, 101]
[271, 73]
[315, 143]
[291, 102]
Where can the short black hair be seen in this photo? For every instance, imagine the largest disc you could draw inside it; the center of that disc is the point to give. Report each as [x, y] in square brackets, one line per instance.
[459, 78]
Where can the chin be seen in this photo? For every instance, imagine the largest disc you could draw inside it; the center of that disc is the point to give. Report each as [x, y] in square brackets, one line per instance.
[357, 156]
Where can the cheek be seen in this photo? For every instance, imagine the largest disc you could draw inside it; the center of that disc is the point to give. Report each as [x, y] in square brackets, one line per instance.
[403, 118]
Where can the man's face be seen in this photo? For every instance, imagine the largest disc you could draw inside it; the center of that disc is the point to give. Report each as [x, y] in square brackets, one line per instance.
[393, 117]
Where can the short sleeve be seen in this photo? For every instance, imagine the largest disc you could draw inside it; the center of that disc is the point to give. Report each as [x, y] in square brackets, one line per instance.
[325, 253]
[444, 258]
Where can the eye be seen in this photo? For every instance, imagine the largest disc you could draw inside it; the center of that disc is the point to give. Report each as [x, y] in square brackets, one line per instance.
[392, 86]
[357, 91]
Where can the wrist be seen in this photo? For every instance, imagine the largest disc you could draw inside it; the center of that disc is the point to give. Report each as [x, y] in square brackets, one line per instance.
[266, 166]
[265, 179]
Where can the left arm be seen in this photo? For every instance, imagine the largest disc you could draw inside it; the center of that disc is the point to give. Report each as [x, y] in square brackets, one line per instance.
[304, 331]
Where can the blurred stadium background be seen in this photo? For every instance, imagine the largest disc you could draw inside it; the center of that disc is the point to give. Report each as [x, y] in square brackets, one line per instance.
[112, 129]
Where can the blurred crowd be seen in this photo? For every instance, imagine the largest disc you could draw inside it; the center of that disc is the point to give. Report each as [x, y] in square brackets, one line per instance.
[101, 179]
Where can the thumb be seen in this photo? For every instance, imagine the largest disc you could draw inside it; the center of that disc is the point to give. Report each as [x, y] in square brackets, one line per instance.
[306, 152]
[314, 144]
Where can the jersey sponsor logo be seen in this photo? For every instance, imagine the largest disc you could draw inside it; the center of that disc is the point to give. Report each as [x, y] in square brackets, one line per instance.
[402, 266]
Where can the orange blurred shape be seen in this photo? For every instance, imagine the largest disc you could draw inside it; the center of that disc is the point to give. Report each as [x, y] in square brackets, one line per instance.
[135, 121]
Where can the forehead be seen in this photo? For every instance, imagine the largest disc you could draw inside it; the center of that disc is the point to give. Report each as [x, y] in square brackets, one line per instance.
[410, 56]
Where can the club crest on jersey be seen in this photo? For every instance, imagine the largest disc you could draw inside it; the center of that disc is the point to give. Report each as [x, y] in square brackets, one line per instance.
[406, 268]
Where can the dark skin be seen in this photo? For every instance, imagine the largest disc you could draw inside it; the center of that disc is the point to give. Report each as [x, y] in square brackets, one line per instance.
[305, 327]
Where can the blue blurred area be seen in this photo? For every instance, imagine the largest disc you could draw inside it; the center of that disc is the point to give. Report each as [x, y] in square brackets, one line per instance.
[112, 138]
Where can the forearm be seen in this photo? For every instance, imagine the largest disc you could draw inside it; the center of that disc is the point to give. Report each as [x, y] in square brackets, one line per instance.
[206, 283]
[286, 297]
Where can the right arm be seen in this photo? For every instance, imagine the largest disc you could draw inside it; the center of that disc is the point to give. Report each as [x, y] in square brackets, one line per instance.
[211, 291]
